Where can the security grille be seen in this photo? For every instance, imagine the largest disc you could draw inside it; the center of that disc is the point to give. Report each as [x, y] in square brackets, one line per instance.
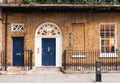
[17, 27]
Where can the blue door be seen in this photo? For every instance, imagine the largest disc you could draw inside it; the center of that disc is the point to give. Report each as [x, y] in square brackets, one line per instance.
[18, 55]
[48, 51]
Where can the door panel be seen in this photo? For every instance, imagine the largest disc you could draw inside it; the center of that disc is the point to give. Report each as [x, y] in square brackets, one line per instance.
[48, 52]
[18, 55]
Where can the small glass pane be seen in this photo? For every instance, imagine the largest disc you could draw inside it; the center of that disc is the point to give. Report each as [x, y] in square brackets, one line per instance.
[112, 42]
[107, 49]
[112, 35]
[112, 28]
[107, 42]
[102, 42]
[112, 49]
[102, 35]
[102, 28]
[107, 28]
[107, 35]
[103, 50]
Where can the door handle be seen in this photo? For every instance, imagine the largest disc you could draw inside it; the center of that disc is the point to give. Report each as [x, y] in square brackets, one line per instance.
[48, 49]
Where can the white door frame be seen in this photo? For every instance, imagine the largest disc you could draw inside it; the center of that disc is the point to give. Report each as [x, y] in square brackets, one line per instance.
[38, 45]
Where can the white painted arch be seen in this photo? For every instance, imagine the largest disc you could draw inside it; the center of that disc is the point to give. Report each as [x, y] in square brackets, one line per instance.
[48, 30]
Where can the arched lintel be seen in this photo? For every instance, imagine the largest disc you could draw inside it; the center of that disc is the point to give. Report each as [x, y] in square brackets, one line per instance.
[46, 27]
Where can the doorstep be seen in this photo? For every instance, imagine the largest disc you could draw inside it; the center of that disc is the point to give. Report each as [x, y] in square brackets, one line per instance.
[35, 70]
[46, 69]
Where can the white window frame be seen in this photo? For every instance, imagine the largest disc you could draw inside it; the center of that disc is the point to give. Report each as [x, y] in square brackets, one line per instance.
[115, 33]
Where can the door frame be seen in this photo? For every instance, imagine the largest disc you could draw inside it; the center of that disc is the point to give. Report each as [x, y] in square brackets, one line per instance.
[12, 49]
[38, 53]
[38, 46]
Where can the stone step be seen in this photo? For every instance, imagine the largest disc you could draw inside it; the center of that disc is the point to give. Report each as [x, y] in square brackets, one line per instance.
[35, 70]
[47, 69]
[15, 69]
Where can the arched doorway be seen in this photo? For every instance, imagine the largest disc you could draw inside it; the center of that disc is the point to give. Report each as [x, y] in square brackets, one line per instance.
[48, 45]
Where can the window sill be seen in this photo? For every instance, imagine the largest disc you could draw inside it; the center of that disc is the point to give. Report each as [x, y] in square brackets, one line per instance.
[110, 55]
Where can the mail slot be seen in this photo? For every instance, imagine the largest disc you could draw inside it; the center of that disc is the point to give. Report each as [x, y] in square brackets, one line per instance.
[18, 54]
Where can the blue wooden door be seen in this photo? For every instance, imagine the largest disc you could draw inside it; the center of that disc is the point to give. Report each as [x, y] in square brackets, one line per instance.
[48, 51]
[18, 55]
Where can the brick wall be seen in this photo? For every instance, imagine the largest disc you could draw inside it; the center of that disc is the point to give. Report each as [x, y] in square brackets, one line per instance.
[85, 35]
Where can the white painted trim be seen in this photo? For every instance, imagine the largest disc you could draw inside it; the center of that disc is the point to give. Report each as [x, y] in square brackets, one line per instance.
[59, 51]
[109, 54]
[106, 55]
[78, 56]
[12, 53]
[108, 23]
[38, 45]
[37, 52]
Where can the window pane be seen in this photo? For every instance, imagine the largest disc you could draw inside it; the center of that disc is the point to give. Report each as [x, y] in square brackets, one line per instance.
[112, 35]
[103, 49]
[102, 42]
[112, 49]
[102, 35]
[112, 42]
[107, 28]
[108, 45]
[107, 49]
[107, 42]
[102, 28]
[112, 28]
[107, 33]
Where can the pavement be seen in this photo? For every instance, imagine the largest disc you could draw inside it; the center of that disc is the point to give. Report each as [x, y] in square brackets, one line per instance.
[59, 78]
